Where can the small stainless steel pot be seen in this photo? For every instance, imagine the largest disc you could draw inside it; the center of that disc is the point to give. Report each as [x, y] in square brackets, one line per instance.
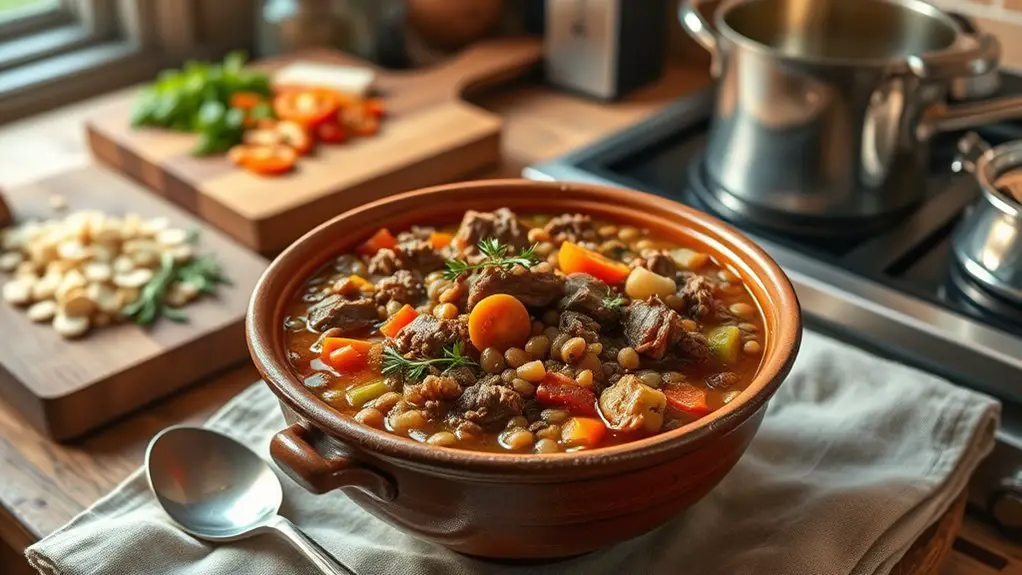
[988, 242]
[825, 108]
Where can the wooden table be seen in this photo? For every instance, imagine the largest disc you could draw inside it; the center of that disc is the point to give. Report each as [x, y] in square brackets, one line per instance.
[43, 485]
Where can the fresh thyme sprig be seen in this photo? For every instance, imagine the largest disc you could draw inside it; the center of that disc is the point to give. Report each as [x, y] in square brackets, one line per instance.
[415, 369]
[614, 301]
[202, 272]
[496, 255]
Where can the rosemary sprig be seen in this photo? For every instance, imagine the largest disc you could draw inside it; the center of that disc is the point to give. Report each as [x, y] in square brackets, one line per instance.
[416, 369]
[614, 301]
[203, 273]
[496, 255]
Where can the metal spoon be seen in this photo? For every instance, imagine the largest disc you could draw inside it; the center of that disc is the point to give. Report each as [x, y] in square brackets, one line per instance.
[218, 490]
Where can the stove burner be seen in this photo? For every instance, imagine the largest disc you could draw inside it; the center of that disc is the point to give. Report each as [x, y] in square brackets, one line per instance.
[732, 208]
[965, 290]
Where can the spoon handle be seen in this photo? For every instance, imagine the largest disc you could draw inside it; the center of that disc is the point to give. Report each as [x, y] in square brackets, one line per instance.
[303, 543]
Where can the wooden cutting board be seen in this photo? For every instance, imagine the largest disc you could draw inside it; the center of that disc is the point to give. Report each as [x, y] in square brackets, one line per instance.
[430, 136]
[66, 388]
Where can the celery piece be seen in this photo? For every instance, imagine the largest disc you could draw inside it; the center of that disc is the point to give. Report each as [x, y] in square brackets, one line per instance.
[725, 342]
[363, 394]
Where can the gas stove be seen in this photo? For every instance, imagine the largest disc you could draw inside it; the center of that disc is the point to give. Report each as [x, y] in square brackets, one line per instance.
[896, 292]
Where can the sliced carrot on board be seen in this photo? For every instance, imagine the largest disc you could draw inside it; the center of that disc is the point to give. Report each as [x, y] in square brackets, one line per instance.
[245, 100]
[380, 240]
[403, 317]
[574, 258]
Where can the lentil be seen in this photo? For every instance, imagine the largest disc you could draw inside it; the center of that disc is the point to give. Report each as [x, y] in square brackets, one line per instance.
[547, 446]
[370, 416]
[442, 438]
[573, 349]
[491, 360]
[585, 378]
[407, 421]
[554, 415]
[742, 309]
[516, 357]
[523, 387]
[752, 347]
[689, 325]
[628, 234]
[445, 311]
[537, 346]
[627, 358]
[552, 431]
[517, 440]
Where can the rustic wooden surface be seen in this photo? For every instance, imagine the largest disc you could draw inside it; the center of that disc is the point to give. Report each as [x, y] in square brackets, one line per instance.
[43, 484]
[65, 387]
[429, 136]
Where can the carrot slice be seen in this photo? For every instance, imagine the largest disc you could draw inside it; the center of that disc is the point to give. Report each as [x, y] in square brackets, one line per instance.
[574, 258]
[347, 359]
[688, 398]
[245, 100]
[380, 240]
[587, 431]
[331, 344]
[403, 317]
[499, 321]
[439, 240]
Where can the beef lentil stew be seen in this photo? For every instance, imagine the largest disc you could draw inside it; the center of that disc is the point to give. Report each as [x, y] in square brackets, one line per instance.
[525, 333]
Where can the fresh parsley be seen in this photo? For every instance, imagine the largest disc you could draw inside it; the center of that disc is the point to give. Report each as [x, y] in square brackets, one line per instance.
[416, 369]
[496, 255]
[614, 301]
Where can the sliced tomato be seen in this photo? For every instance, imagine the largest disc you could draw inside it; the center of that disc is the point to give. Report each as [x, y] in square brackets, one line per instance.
[306, 107]
[331, 132]
[358, 121]
[374, 107]
[295, 135]
[570, 396]
[265, 160]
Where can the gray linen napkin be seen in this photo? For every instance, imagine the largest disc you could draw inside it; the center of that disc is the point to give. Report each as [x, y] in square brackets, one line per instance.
[855, 458]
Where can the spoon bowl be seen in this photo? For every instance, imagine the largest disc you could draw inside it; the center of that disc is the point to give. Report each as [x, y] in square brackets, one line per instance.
[218, 490]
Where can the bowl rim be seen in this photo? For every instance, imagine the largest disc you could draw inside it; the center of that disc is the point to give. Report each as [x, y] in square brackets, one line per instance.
[263, 334]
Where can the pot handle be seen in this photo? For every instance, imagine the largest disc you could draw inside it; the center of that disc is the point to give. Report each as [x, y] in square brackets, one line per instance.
[956, 63]
[970, 148]
[700, 29]
[292, 449]
[963, 116]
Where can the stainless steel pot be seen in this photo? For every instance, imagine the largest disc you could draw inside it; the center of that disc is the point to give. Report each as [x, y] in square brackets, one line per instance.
[988, 242]
[825, 107]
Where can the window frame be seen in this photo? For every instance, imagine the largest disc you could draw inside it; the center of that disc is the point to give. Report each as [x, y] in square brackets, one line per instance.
[81, 48]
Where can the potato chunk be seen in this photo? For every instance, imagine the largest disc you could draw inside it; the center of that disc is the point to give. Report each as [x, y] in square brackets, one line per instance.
[630, 405]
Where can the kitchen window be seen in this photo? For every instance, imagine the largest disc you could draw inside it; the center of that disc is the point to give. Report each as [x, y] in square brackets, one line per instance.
[54, 52]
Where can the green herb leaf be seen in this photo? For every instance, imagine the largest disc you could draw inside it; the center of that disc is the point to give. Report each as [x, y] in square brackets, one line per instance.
[496, 255]
[415, 369]
[614, 301]
[202, 272]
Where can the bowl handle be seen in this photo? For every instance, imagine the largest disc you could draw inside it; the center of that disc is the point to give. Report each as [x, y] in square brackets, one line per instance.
[294, 453]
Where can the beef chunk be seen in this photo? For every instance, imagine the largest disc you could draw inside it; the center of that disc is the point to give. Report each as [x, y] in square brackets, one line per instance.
[571, 228]
[415, 254]
[699, 295]
[345, 315]
[693, 346]
[722, 380]
[416, 233]
[501, 224]
[580, 325]
[651, 327]
[535, 289]
[404, 286]
[433, 388]
[489, 404]
[585, 294]
[463, 375]
[427, 336]
[658, 262]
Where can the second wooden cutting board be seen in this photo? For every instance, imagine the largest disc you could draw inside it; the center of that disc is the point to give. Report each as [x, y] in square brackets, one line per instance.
[430, 136]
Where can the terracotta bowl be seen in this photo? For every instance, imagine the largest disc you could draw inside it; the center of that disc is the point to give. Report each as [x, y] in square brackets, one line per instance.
[519, 506]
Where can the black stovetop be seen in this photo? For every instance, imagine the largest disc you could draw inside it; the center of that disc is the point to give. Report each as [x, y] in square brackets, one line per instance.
[896, 290]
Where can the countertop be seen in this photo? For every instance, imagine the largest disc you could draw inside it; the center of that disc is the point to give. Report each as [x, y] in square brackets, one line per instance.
[44, 484]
